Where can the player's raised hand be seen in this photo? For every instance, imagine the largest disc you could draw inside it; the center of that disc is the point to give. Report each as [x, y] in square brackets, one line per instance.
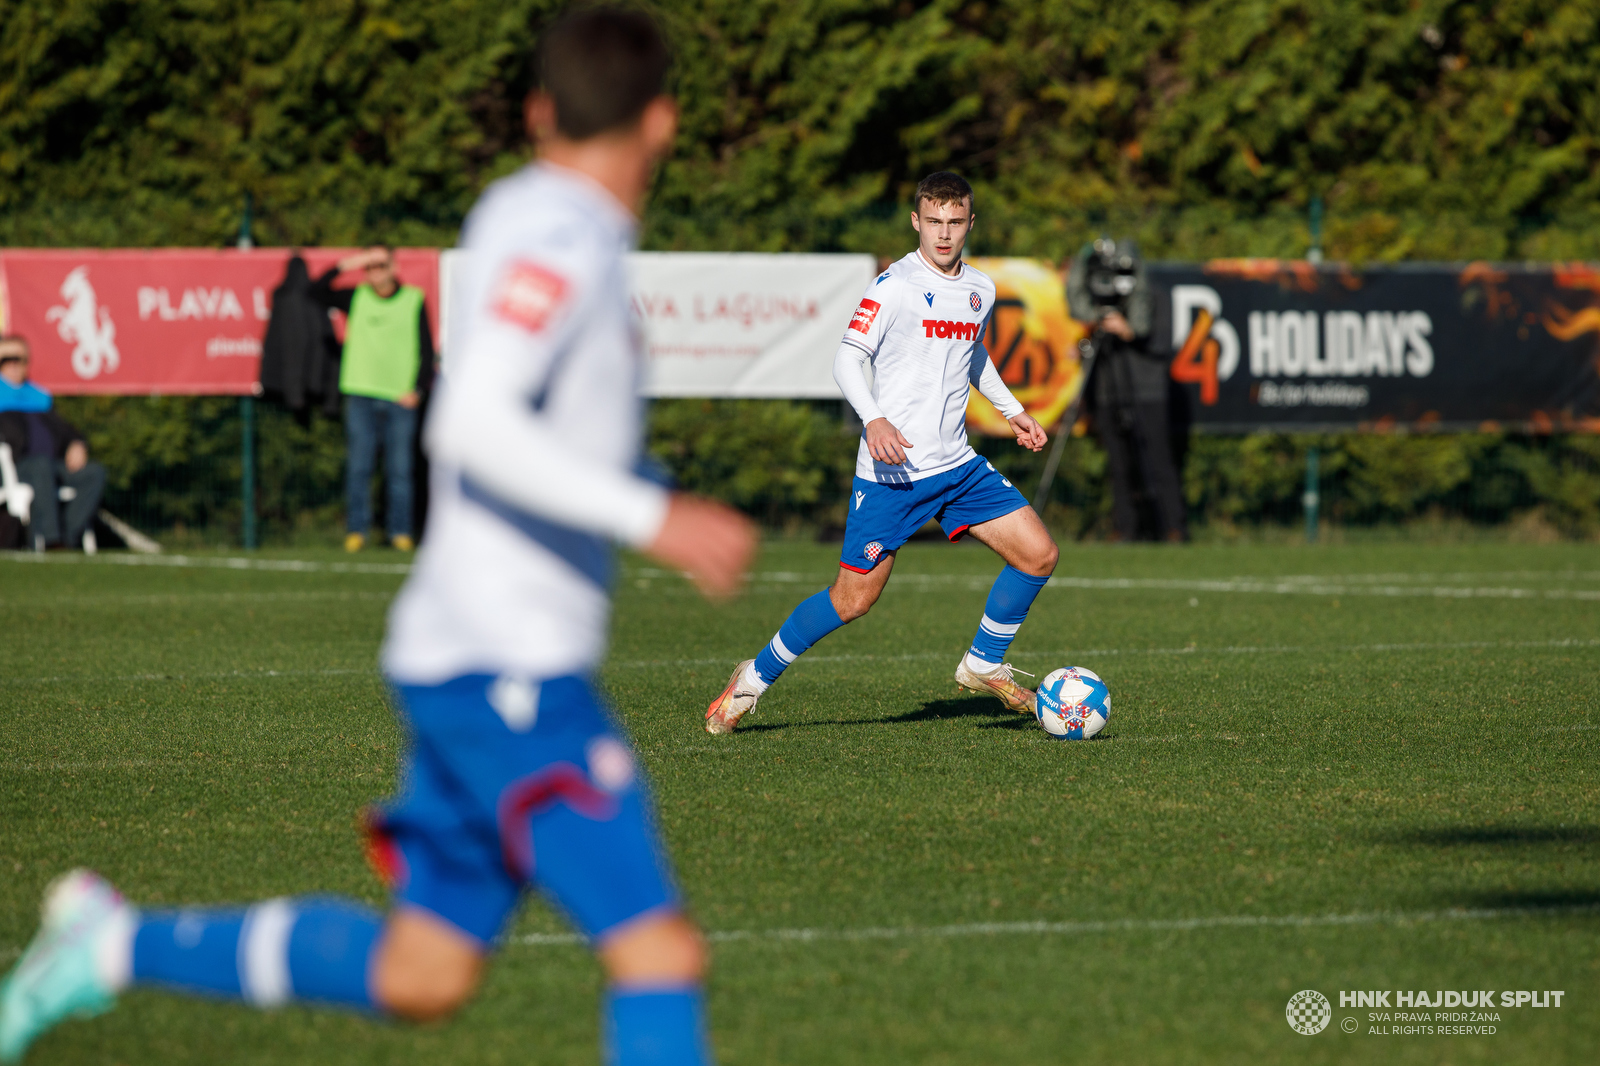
[886, 443]
[709, 541]
[1030, 434]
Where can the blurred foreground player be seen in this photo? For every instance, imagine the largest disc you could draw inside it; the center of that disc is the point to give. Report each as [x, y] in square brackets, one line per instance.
[515, 774]
[921, 326]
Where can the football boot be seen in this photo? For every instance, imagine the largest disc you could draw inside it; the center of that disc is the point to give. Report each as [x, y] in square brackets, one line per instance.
[59, 976]
[998, 683]
[735, 701]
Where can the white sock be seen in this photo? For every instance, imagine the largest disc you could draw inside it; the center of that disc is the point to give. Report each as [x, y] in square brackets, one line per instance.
[752, 680]
[981, 667]
[113, 956]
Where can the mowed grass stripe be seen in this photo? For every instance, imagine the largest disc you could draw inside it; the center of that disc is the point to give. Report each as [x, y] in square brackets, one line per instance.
[1287, 649]
[221, 562]
[1123, 925]
[1296, 584]
[226, 675]
[160, 598]
[926, 656]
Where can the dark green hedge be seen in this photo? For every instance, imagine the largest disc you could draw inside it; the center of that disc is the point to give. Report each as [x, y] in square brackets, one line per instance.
[1433, 129]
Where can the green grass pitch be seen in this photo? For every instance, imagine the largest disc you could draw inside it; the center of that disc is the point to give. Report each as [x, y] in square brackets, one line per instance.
[1333, 768]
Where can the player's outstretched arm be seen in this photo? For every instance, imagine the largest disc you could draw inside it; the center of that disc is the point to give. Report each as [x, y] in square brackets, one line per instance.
[710, 541]
[887, 444]
[1030, 434]
[987, 380]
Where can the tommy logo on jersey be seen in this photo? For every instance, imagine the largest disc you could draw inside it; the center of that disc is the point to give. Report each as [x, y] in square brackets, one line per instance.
[527, 294]
[861, 321]
[940, 328]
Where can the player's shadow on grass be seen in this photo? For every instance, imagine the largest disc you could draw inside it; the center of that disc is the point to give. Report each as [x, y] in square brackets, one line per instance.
[1497, 836]
[1504, 841]
[967, 707]
[1555, 900]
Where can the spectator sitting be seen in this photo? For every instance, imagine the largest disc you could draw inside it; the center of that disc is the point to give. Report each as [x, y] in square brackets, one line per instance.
[386, 369]
[17, 393]
[50, 454]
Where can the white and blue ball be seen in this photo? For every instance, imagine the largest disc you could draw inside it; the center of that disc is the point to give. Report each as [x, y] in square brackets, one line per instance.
[1073, 704]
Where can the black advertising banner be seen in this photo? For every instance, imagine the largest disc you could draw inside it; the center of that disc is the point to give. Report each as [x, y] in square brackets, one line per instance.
[1266, 343]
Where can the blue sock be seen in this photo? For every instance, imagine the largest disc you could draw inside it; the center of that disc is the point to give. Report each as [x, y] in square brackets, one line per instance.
[267, 955]
[808, 623]
[1009, 600]
[658, 1027]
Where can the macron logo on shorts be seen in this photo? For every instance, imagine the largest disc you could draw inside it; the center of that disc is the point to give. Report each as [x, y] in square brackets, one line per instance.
[859, 497]
[861, 321]
[938, 327]
[528, 294]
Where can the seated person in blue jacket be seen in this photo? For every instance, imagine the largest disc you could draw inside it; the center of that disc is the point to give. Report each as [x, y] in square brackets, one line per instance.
[50, 454]
[17, 393]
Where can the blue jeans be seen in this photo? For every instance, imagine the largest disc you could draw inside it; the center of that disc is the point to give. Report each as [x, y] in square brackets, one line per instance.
[366, 422]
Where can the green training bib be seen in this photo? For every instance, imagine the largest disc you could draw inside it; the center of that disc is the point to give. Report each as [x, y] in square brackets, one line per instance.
[381, 345]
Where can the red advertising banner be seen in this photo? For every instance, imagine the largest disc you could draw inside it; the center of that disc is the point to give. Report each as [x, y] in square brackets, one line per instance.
[170, 321]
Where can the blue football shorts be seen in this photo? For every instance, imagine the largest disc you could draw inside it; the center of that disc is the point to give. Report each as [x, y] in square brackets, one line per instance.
[543, 792]
[884, 516]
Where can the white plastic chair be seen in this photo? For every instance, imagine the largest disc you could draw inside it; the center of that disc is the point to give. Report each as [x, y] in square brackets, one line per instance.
[17, 495]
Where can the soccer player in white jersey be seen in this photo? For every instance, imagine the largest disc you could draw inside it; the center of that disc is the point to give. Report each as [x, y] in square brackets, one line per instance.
[515, 776]
[920, 325]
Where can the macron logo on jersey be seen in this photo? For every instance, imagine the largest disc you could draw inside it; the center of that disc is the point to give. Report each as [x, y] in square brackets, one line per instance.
[929, 296]
[528, 294]
[967, 331]
[861, 321]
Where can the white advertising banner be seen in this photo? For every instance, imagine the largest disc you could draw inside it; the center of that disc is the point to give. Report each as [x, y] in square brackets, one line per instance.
[734, 323]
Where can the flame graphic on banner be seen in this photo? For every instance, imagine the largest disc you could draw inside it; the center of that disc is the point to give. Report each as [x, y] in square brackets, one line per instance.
[1032, 341]
[1287, 273]
[1565, 325]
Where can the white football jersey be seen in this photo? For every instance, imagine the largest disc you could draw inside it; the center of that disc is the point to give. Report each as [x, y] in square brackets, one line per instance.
[923, 331]
[534, 437]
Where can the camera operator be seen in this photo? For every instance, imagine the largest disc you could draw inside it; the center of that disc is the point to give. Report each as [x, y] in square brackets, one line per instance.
[1127, 389]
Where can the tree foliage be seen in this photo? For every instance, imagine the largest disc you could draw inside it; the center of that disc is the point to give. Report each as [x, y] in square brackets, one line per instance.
[1431, 128]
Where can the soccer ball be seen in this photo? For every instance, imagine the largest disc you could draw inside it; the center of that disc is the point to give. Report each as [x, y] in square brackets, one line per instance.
[1073, 704]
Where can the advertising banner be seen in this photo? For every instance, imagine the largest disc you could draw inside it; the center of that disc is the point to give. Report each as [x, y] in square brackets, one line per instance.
[1264, 343]
[1253, 343]
[726, 324]
[732, 324]
[1032, 341]
[172, 321]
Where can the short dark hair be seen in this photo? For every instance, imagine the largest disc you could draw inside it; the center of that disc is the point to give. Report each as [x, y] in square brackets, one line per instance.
[601, 66]
[942, 187]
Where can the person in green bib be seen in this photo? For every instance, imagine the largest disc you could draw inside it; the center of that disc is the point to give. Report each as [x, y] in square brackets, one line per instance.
[386, 370]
